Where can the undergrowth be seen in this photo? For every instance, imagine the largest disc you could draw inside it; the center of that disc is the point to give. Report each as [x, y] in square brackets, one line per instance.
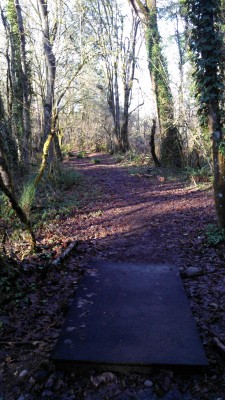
[199, 175]
[201, 178]
[68, 178]
[132, 157]
[57, 196]
[215, 235]
[81, 154]
[27, 197]
[162, 174]
[142, 164]
[96, 161]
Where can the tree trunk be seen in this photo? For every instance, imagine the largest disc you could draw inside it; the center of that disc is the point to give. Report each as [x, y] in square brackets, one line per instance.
[55, 128]
[124, 135]
[49, 131]
[117, 141]
[157, 65]
[25, 86]
[218, 164]
[15, 80]
[4, 172]
[45, 154]
[124, 128]
[50, 70]
[207, 44]
[4, 168]
[152, 144]
[128, 71]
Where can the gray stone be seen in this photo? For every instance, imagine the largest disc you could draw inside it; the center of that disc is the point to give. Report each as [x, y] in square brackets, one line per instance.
[47, 394]
[136, 395]
[192, 272]
[40, 375]
[23, 374]
[148, 383]
[173, 394]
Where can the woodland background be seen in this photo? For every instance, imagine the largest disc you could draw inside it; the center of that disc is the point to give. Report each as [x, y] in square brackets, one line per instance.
[75, 75]
[111, 147]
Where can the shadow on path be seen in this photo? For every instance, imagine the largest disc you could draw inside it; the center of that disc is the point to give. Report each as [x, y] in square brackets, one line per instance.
[144, 220]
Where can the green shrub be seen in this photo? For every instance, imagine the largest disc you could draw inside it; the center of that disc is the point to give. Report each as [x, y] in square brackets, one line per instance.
[96, 161]
[69, 177]
[6, 211]
[135, 157]
[81, 154]
[215, 235]
[119, 158]
[199, 175]
[65, 149]
[27, 196]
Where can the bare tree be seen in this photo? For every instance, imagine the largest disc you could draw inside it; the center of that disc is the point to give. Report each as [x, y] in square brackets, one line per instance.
[118, 51]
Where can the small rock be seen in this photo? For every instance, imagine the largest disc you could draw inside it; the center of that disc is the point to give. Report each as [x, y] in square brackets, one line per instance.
[211, 269]
[50, 382]
[148, 383]
[4, 319]
[213, 305]
[59, 384]
[3, 356]
[23, 374]
[104, 377]
[47, 393]
[173, 394]
[70, 329]
[60, 375]
[192, 272]
[161, 178]
[40, 375]
[31, 380]
[68, 342]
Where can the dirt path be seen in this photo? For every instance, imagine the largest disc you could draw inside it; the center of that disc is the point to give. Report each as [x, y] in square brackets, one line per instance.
[142, 219]
[128, 218]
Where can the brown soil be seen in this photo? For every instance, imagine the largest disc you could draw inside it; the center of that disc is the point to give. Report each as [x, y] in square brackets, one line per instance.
[136, 218]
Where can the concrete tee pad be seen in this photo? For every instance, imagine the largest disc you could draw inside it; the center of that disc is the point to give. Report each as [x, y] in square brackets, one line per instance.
[128, 314]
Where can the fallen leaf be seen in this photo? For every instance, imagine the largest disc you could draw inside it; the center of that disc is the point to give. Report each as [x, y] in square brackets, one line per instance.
[104, 377]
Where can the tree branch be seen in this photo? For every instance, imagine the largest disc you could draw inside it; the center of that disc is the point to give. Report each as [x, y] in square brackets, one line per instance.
[140, 9]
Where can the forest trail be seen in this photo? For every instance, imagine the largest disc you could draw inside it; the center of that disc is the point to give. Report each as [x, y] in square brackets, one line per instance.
[144, 219]
[150, 219]
[121, 217]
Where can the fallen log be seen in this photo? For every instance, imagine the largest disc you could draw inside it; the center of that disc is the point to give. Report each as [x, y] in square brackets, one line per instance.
[65, 254]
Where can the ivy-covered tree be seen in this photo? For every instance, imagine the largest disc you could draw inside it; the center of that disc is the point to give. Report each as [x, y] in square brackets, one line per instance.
[171, 151]
[206, 43]
[4, 167]
[19, 81]
[26, 85]
[6, 186]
